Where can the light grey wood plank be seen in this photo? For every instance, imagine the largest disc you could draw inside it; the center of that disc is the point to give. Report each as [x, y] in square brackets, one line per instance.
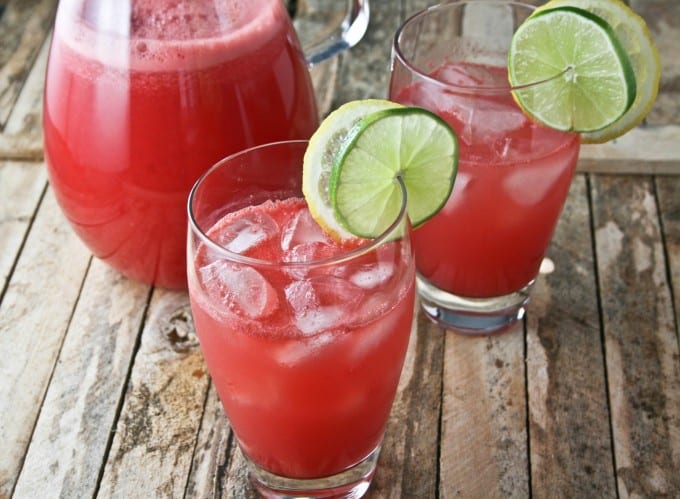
[643, 150]
[157, 429]
[34, 316]
[21, 186]
[641, 340]
[484, 439]
[72, 433]
[570, 445]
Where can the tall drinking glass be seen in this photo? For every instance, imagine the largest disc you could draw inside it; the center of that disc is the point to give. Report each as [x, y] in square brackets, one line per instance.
[304, 337]
[478, 258]
[143, 96]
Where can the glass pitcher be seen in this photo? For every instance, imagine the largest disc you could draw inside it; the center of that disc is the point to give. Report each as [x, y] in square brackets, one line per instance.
[142, 96]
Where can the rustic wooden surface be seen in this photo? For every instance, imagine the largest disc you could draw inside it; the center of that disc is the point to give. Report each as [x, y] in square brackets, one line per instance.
[104, 391]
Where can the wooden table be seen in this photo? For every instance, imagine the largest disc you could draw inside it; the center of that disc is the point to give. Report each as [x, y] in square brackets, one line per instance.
[104, 392]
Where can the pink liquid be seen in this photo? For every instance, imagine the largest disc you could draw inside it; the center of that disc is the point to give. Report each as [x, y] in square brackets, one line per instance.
[306, 364]
[513, 178]
[130, 123]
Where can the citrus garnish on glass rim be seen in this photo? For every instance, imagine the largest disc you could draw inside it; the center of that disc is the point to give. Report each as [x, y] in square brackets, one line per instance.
[354, 158]
[596, 83]
[634, 35]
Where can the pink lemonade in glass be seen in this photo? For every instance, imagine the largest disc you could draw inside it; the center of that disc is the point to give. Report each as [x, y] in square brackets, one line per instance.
[142, 98]
[304, 337]
[513, 178]
[479, 256]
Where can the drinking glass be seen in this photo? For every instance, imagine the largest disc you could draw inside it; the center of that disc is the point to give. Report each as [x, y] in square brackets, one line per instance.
[304, 338]
[142, 97]
[478, 258]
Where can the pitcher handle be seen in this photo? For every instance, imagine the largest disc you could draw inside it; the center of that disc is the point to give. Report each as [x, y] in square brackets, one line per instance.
[346, 35]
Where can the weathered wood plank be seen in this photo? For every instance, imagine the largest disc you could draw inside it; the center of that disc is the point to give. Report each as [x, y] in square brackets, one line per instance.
[641, 342]
[484, 439]
[34, 316]
[643, 150]
[21, 186]
[408, 466]
[571, 449]
[74, 427]
[23, 28]
[209, 462]
[157, 429]
[22, 136]
[668, 192]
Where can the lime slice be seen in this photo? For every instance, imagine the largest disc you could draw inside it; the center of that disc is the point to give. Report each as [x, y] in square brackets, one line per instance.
[406, 142]
[320, 156]
[634, 35]
[596, 83]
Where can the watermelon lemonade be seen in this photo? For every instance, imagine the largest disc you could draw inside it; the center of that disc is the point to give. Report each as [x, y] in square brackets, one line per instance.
[478, 257]
[513, 178]
[142, 96]
[304, 337]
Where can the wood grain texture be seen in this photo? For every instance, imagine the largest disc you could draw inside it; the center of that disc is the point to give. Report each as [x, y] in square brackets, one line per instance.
[484, 440]
[24, 25]
[156, 431]
[571, 449]
[71, 436]
[22, 136]
[641, 343]
[34, 316]
[407, 465]
[22, 185]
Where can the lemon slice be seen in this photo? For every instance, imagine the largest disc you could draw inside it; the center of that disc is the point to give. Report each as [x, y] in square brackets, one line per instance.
[352, 162]
[320, 155]
[596, 85]
[636, 39]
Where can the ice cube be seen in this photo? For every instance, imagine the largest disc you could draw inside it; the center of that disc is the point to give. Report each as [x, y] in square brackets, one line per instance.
[486, 122]
[301, 229]
[528, 185]
[308, 252]
[321, 302]
[241, 288]
[372, 276]
[248, 232]
[296, 350]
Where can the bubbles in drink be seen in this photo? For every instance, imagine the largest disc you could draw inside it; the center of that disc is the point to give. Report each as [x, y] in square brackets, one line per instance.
[321, 302]
[241, 288]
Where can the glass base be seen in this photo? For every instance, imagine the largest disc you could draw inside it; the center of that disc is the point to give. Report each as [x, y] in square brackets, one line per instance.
[351, 483]
[472, 316]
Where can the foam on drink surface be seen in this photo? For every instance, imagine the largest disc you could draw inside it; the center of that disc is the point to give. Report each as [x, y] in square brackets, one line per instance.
[166, 35]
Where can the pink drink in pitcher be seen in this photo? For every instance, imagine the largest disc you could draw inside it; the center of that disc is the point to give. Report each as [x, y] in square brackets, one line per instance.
[513, 178]
[306, 361]
[142, 97]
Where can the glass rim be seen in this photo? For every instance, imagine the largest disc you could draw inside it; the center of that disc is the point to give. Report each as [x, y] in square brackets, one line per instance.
[397, 52]
[345, 256]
